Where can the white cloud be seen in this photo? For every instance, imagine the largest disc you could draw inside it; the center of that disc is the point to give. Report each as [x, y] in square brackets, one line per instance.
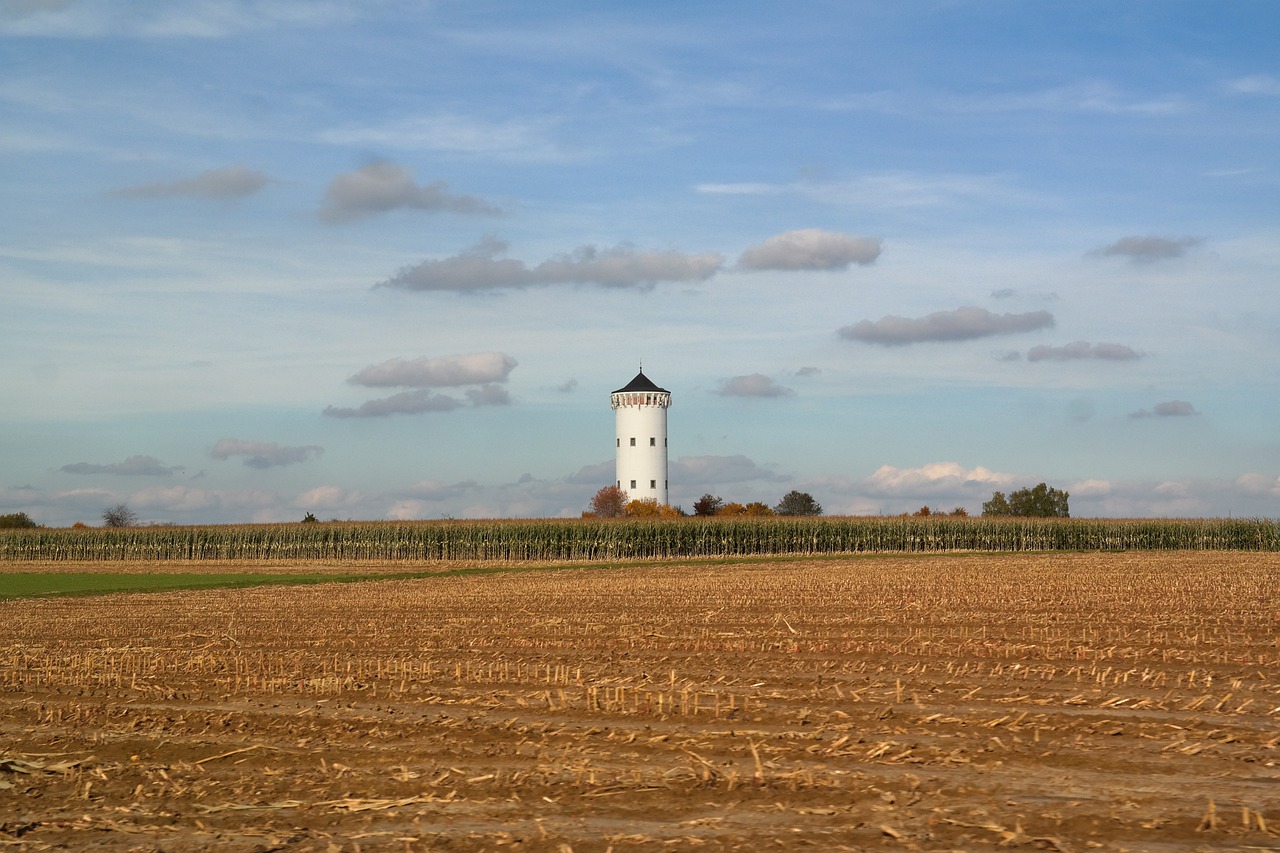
[329, 498]
[381, 187]
[522, 141]
[901, 190]
[1091, 488]
[810, 249]
[423, 372]
[1258, 484]
[622, 266]
[962, 324]
[934, 477]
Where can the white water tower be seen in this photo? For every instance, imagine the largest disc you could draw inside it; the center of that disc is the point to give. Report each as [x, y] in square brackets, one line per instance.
[640, 427]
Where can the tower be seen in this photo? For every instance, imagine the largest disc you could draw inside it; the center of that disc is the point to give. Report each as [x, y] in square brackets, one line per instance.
[640, 428]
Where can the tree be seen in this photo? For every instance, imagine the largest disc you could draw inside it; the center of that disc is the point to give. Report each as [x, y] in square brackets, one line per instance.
[798, 503]
[310, 518]
[643, 508]
[17, 519]
[997, 507]
[757, 508]
[708, 504]
[609, 502]
[1041, 501]
[119, 516]
[732, 508]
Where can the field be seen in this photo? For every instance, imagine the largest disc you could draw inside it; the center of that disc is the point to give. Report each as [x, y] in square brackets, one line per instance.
[1035, 701]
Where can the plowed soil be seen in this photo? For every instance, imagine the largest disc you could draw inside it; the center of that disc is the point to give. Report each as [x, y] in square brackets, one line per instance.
[950, 702]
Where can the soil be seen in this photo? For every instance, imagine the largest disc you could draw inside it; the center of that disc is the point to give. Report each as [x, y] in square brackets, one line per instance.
[949, 702]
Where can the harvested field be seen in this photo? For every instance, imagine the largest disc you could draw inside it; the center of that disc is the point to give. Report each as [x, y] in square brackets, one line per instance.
[945, 702]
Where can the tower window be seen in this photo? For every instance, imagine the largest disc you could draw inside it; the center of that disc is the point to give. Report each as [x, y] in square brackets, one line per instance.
[633, 484]
[653, 484]
[633, 441]
[664, 442]
[619, 442]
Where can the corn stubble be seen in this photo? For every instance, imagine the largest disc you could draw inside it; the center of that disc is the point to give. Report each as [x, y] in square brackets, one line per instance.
[1038, 701]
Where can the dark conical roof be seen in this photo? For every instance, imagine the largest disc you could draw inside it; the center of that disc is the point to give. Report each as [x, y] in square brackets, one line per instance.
[641, 383]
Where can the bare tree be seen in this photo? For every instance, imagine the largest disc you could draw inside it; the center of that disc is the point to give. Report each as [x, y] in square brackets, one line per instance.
[119, 516]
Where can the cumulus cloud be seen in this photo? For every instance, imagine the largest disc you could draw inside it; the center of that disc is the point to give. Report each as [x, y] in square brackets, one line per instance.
[480, 268]
[1148, 249]
[384, 186]
[140, 466]
[1167, 409]
[482, 369]
[753, 385]
[230, 182]
[1258, 484]
[961, 324]
[568, 386]
[1079, 350]
[423, 372]
[810, 249]
[932, 478]
[328, 498]
[263, 454]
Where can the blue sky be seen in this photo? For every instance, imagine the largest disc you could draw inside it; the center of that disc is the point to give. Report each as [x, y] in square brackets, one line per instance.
[388, 259]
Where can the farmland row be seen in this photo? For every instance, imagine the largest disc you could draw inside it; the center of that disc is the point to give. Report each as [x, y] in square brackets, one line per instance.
[940, 702]
[595, 540]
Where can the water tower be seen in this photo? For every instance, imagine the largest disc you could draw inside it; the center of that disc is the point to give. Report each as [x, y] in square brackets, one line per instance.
[640, 428]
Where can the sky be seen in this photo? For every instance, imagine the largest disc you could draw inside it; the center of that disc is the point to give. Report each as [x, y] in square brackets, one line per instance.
[387, 260]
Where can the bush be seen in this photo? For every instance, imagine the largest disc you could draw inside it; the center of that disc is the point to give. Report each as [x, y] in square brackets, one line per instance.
[17, 520]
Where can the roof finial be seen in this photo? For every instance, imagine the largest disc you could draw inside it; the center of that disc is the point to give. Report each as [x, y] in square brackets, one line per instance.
[642, 365]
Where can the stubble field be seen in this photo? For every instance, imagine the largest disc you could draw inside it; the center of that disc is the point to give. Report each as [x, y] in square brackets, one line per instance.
[944, 702]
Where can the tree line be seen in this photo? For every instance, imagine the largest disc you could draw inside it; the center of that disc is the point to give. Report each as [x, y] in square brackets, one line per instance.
[613, 502]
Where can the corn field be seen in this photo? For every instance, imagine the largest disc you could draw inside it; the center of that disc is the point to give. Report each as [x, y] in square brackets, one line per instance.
[593, 540]
[978, 702]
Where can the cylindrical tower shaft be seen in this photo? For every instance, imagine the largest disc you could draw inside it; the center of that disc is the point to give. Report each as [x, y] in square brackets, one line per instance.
[640, 434]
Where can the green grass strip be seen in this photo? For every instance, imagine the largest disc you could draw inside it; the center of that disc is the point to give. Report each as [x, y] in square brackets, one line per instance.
[39, 584]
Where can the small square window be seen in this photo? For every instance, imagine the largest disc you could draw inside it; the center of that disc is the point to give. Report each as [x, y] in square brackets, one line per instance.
[633, 484]
[653, 484]
[633, 442]
[619, 442]
[653, 442]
